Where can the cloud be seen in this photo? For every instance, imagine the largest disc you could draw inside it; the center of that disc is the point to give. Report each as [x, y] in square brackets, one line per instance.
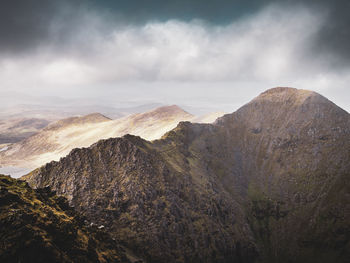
[270, 45]
[171, 58]
[25, 24]
[333, 38]
[28, 25]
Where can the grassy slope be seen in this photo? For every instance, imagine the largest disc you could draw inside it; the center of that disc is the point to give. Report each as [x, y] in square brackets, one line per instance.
[38, 226]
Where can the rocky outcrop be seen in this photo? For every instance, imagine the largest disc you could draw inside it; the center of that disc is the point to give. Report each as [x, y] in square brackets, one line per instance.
[38, 226]
[268, 183]
[154, 208]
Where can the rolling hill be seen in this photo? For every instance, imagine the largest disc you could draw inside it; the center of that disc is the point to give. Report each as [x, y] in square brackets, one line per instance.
[59, 138]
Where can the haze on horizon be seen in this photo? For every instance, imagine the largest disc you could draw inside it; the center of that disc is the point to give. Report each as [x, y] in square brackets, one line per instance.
[201, 55]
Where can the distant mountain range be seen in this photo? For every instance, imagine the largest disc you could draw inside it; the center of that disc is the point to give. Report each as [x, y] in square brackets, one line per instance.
[60, 137]
[14, 130]
[20, 121]
[267, 183]
[56, 112]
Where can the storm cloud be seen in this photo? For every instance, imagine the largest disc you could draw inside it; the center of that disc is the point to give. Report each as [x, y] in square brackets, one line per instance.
[26, 24]
[228, 51]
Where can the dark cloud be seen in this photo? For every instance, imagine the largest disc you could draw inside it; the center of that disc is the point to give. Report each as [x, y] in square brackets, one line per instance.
[79, 47]
[216, 11]
[27, 24]
[24, 23]
[334, 37]
[30, 24]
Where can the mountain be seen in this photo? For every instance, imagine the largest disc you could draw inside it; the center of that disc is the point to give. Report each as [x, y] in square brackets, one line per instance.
[14, 130]
[267, 183]
[54, 109]
[59, 138]
[38, 226]
[73, 121]
[14, 157]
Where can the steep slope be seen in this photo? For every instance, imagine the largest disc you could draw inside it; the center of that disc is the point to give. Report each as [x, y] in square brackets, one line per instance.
[38, 226]
[154, 208]
[268, 183]
[59, 138]
[295, 150]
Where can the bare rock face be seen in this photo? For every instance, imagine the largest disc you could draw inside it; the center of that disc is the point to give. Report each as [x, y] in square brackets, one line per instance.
[151, 206]
[268, 183]
[295, 155]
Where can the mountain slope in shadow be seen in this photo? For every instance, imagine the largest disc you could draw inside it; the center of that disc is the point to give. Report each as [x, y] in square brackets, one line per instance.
[268, 183]
[38, 226]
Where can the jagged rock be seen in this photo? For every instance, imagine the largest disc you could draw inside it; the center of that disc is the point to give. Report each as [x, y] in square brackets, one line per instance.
[259, 185]
[36, 226]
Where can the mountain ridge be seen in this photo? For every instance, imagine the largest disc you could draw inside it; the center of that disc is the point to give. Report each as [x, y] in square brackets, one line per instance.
[258, 185]
[56, 140]
[90, 118]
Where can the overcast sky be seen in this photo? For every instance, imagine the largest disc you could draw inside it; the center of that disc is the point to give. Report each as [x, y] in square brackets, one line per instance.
[213, 54]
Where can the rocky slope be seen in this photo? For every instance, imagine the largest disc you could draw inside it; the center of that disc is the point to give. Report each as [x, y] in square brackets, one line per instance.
[268, 183]
[59, 138]
[38, 226]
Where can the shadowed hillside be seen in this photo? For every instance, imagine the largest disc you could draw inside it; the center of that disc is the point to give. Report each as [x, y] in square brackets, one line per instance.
[38, 226]
[268, 183]
[14, 130]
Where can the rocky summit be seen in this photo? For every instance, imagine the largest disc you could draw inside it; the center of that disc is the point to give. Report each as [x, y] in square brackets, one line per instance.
[268, 183]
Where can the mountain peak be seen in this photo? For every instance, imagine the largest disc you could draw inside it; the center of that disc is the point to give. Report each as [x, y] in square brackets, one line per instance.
[95, 117]
[290, 100]
[222, 192]
[283, 90]
[166, 112]
[172, 109]
[284, 111]
[286, 94]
